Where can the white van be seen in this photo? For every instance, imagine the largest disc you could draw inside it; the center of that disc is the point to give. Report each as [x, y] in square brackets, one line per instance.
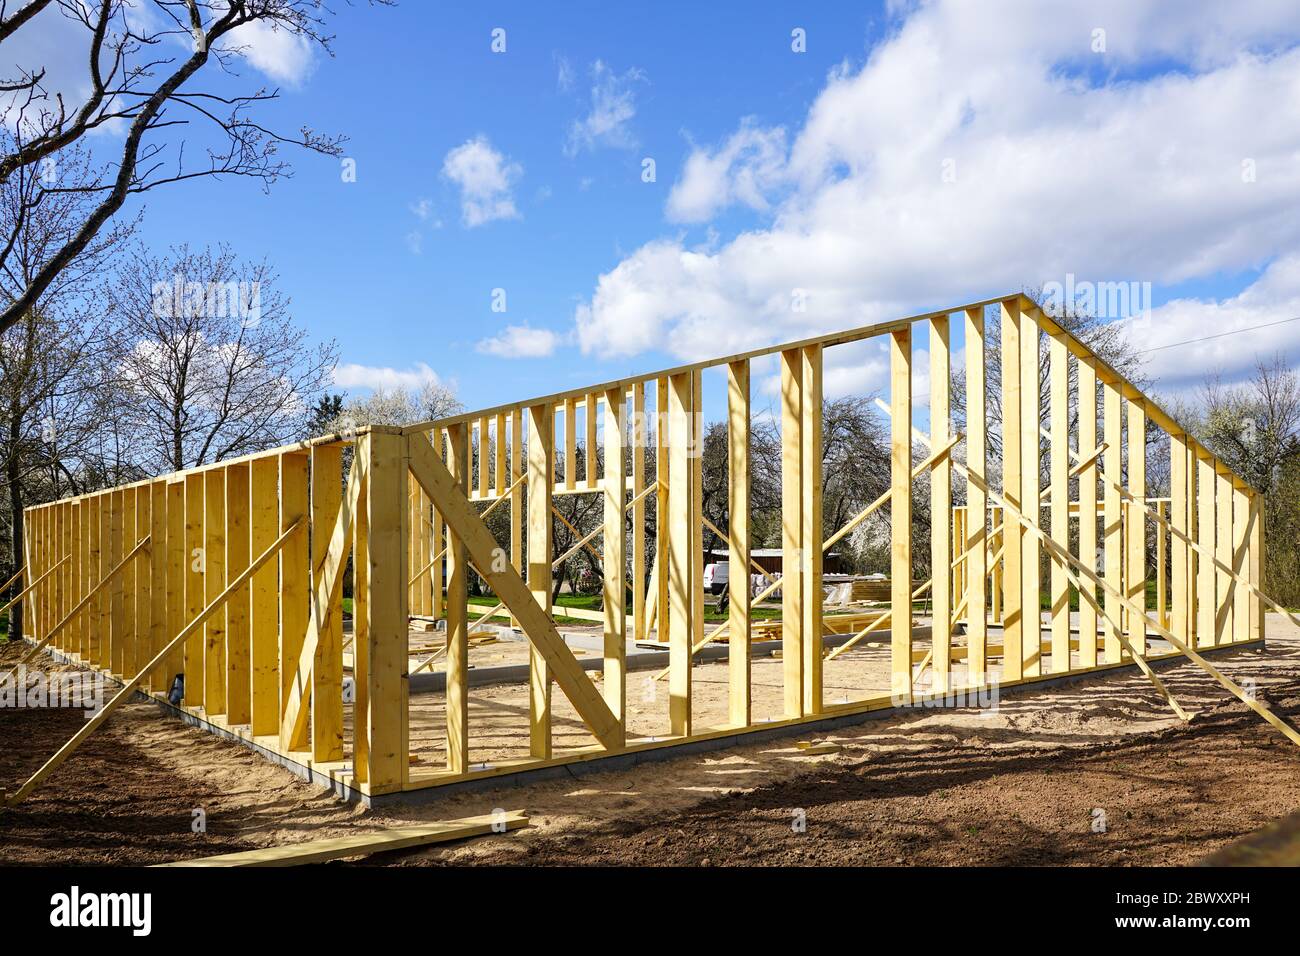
[716, 577]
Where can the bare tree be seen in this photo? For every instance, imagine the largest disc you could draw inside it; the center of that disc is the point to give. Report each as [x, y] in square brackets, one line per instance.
[212, 364]
[1255, 426]
[137, 79]
[53, 366]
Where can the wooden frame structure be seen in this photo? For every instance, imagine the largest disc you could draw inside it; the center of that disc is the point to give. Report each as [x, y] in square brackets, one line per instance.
[232, 574]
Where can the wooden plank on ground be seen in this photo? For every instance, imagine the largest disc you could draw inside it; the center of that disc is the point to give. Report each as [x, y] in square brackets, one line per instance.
[364, 844]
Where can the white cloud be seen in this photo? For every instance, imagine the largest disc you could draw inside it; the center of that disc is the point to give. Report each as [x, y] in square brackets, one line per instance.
[1111, 166]
[1181, 363]
[745, 169]
[381, 378]
[564, 78]
[283, 56]
[486, 180]
[613, 106]
[520, 341]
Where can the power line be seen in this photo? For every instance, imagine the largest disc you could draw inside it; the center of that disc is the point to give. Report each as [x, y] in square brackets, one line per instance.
[1218, 335]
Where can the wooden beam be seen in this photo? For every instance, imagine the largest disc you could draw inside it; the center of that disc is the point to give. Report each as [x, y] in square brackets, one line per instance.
[541, 479]
[941, 513]
[306, 682]
[1256, 566]
[638, 440]
[810, 531]
[1180, 612]
[129, 688]
[31, 587]
[976, 503]
[1206, 527]
[1135, 537]
[295, 588]
[1241, 518]
[160, 679]
[571, 444]
[590, 415]
[739, 704]
[506, 584]
[900, 524]
[614, 590]
[99, 587]
[1112, 527]
[457, 610]
[382, 736]
[177, 570]
[679, 560]
[194, 589]
[1030, 463]
[239, 543]
[214, 582]
[1059, 365]
[365, 844]
[1223, 553]
[793, 560]
[264, 604]
[1013, 621]
[516, 493]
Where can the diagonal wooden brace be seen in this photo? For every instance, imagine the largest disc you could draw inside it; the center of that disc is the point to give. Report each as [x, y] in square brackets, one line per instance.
[325, 596]
[506, 583]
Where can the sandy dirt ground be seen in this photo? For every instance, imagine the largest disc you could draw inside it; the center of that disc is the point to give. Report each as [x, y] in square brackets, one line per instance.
[1022, 783]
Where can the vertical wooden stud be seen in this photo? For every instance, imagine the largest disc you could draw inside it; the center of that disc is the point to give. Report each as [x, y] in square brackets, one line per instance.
[738, 650]
[570, 444]
[810, 534]
[1135, 537]
[239, 674]
[1178, 550]
[793, 560]
[900, 505]
[680, 562]
[1030, 463]
[177, 571]
[264, 604]
[1017, 627]
[1240, 564]
[295, 579]
[214, 578]
[385, 660]
[457, 610]
[1112, 530]
[976, 543]
[638, 443]
[1206, 525]
[941, 513]
[1223, 551]
[614, 559]
[1059, 365]
[327, 667]
[541, 480]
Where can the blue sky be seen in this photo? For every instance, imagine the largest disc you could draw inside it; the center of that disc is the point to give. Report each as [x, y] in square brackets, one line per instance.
[914, 155]
[412, 83]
